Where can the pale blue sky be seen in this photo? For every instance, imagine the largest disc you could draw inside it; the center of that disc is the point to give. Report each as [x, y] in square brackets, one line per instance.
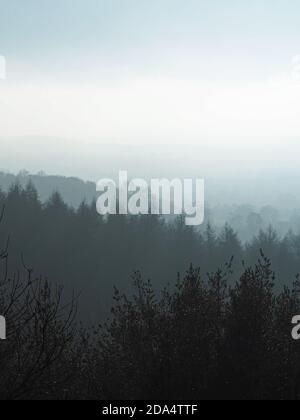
[139, 34]
[216, 75]
[42, 23]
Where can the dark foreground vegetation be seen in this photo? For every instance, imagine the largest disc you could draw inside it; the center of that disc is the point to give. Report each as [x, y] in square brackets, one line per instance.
[203, 340]
[222, 335]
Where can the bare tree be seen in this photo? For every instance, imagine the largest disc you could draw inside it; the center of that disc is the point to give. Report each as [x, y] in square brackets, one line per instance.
[37, 356]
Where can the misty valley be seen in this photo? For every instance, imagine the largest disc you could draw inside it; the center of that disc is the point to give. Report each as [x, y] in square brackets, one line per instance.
[120, 301]
[149, 203]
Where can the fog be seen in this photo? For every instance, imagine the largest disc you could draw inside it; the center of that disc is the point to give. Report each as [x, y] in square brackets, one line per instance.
[180, 89]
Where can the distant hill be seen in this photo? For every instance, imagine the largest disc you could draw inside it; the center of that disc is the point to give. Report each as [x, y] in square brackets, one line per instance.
[73, 190]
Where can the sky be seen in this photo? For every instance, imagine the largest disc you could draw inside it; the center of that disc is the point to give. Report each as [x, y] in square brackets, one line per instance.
[215, 82]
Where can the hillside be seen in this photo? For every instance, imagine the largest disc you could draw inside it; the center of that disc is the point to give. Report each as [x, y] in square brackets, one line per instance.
[73, 190]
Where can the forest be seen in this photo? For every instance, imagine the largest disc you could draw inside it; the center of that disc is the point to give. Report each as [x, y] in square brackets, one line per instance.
[131, 308]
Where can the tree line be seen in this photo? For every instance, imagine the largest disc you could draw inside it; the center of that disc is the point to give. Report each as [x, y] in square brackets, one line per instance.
[89, 253]
[219, 332]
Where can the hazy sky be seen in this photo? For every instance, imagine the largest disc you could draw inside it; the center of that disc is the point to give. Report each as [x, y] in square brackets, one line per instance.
[213, 76]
